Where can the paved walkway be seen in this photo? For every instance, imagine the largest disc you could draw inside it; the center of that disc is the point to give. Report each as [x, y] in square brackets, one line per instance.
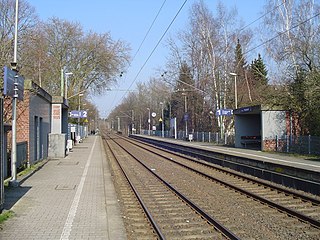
[70, 198]
[300, 162]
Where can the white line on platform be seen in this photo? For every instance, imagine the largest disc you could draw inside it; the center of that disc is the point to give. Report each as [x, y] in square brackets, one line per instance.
[268, 158]
[74, 206]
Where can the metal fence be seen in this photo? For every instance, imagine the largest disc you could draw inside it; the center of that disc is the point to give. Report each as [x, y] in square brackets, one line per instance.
[226, 139]
[309, 145]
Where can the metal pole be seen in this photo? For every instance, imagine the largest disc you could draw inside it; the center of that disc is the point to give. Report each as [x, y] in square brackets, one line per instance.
[15, 50]
[162, 123]
[235, 92]
[62, 82]
[66, 87]
[13, 181]
[78, 132]
[149, 121]
[132, 121]
[235, 89]
[14, 135]
[185, 113]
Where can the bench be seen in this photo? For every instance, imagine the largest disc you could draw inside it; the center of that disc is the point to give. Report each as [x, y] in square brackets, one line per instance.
[253, 141]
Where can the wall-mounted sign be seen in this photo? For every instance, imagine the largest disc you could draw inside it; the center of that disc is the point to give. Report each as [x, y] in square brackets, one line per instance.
[10, 80]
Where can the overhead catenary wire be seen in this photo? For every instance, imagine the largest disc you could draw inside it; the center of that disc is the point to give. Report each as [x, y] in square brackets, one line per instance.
[165, 34]
[154, 49]
[147, 33]
[281, 33]
[142, 42]
[259, 45]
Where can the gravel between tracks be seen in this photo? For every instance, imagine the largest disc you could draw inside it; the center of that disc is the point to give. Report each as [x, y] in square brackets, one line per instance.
[249, 219]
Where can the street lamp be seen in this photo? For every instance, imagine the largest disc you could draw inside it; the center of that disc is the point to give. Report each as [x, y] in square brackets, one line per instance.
[149, 121]
[185, 112]
[235, 89]
[13, 181]
[66, 84]
[80, 95]
[162, 122]
[118, 124]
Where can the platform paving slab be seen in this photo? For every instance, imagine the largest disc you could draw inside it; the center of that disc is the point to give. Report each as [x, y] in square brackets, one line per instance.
[69, 198]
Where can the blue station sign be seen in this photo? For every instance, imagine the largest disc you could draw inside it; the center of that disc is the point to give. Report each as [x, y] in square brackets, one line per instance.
[78, 114]
[224, 112]
[11, 80]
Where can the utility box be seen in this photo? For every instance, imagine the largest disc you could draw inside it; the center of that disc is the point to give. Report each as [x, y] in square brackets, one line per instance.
[57, 145]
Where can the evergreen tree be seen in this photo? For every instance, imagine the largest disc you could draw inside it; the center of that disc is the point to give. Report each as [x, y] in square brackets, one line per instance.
[183, 86]
[259, 71]
[240, 70]
[240, 63]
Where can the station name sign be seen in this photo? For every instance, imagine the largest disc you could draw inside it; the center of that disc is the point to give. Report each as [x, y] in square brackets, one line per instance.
[78, 114]
[224, 112]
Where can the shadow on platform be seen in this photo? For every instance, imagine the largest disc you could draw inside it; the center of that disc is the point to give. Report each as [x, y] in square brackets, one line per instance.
[12, 195]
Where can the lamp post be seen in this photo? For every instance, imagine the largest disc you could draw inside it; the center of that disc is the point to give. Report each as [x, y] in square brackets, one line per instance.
[13, 181]
[235, 89]
[118, 124]
[132, 121]
[162, 122]
[185, 113]
[66, 84]
[79, 108]
[149, 121]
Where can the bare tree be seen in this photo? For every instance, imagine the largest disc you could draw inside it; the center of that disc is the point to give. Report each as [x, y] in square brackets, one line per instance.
[96, 60]
[295, 25]
[27, 21]
[207, 46]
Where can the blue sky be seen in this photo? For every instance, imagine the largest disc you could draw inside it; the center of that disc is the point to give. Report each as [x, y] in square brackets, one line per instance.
[129, 20]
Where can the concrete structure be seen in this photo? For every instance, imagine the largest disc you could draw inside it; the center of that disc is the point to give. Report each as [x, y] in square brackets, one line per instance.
[59, 128]
[256, 125]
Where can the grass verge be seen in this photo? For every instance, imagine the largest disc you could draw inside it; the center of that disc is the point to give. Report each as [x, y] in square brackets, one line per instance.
[6, 215]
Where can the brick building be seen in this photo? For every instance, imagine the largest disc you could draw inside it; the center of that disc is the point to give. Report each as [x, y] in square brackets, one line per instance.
[33, 124]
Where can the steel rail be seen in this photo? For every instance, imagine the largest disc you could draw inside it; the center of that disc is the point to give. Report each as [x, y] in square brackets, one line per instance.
[144, 207]
[289, 211]
[225, 231]
[278, 188]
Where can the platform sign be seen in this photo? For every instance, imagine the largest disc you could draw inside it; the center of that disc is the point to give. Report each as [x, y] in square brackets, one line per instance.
[10, 77]
[84, 114]
[186, 117]
[224, 112]
[78, 114]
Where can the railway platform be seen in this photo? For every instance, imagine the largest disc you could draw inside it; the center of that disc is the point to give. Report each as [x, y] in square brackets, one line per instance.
[269, 166]
[272, 157]
[69, 198]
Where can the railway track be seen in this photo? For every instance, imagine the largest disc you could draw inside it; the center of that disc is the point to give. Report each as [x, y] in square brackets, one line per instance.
[289, 177]
[172, 215]
[301, 206]
[278, 206]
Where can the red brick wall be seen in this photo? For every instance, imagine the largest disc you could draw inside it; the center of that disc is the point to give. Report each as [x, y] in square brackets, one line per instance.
[22, 119]
[271, 145]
